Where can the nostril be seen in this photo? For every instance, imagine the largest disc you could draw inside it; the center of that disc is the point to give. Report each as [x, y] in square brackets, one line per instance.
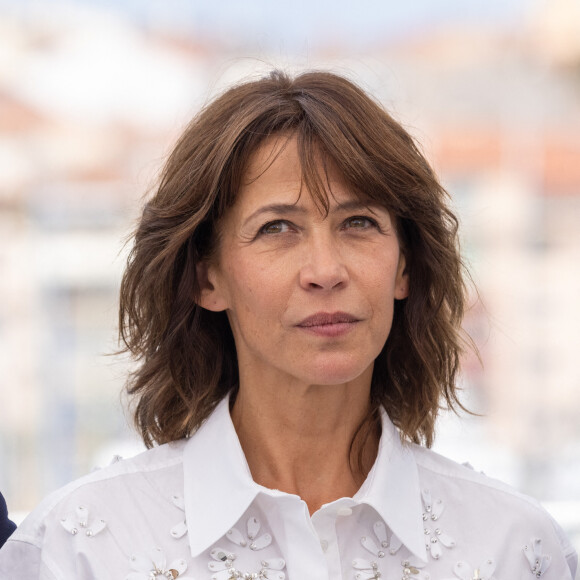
[323, 282]
[323, 269]
[314, 285]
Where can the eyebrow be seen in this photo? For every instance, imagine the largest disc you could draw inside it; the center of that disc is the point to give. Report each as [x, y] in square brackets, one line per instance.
[293, 209]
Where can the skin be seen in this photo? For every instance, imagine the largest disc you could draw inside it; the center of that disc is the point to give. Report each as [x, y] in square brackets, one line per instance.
[304, 384]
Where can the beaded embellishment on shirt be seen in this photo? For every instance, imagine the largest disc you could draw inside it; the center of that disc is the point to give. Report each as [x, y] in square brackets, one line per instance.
[79, 523]
[435, 537]
[371, 569]
[224, 562]
[539, 562]
[154, 567]
[465, 571]
[180, 529]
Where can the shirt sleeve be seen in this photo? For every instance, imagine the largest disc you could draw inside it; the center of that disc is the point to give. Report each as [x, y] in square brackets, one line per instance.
[567, 549]
[20, 559]
[572, 559]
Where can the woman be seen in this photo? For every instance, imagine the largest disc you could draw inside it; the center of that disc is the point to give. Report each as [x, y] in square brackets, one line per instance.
[294, 296]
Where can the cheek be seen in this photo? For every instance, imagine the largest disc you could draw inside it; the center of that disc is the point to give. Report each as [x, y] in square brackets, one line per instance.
[379, 271]
[380, 291]
[257, 289]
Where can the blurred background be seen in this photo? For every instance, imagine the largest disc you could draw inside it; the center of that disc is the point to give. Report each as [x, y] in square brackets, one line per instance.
[94, 93]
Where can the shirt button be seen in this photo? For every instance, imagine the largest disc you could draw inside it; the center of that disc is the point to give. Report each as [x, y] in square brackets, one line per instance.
[324, 545]
[344, 511]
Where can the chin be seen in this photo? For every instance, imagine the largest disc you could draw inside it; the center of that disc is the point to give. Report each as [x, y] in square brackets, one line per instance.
[337, 373]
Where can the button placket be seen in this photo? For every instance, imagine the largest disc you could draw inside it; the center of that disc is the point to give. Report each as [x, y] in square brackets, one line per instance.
[325, 524]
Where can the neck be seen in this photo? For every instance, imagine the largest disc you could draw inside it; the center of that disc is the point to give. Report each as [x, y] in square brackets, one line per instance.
[301, 439]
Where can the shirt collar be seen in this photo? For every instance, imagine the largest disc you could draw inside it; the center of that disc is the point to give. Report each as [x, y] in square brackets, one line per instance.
[392, 489]
[218, 485]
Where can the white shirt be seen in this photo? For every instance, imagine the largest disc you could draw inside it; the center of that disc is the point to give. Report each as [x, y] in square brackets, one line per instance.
[190, 510]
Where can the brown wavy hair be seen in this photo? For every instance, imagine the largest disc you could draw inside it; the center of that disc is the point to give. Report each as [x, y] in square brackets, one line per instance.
[187, 354]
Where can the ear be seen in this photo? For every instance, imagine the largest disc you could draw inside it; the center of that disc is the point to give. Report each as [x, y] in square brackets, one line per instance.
[402, 279]
[211, 295]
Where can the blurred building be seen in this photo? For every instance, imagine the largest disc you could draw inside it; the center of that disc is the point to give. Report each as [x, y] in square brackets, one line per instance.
[82, 134]
[89, 106]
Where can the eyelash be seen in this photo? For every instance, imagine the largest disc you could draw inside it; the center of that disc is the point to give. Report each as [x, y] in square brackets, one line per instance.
[263, 229]
[365, 218]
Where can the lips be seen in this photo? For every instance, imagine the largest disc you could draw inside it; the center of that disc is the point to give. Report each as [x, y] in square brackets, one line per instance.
[328, 325]
[327, 318]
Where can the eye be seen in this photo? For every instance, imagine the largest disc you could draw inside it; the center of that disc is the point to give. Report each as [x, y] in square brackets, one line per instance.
[275, 227]
[359, 223]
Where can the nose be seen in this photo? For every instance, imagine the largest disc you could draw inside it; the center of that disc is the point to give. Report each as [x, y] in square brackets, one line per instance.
[323, 266]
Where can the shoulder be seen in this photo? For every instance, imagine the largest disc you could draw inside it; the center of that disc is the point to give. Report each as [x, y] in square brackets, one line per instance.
[100, 514]
[479, 506]
[111, 489]
[463, 478]
[473, 487]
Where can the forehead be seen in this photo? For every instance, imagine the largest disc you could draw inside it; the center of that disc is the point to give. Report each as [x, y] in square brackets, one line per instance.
[275, 159]
[275, 169]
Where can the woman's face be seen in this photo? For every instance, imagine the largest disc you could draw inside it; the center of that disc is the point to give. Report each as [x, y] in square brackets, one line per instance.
[309, 297]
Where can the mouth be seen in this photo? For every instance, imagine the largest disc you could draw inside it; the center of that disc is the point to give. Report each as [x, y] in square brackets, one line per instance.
[324, 318]
[329, 323]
